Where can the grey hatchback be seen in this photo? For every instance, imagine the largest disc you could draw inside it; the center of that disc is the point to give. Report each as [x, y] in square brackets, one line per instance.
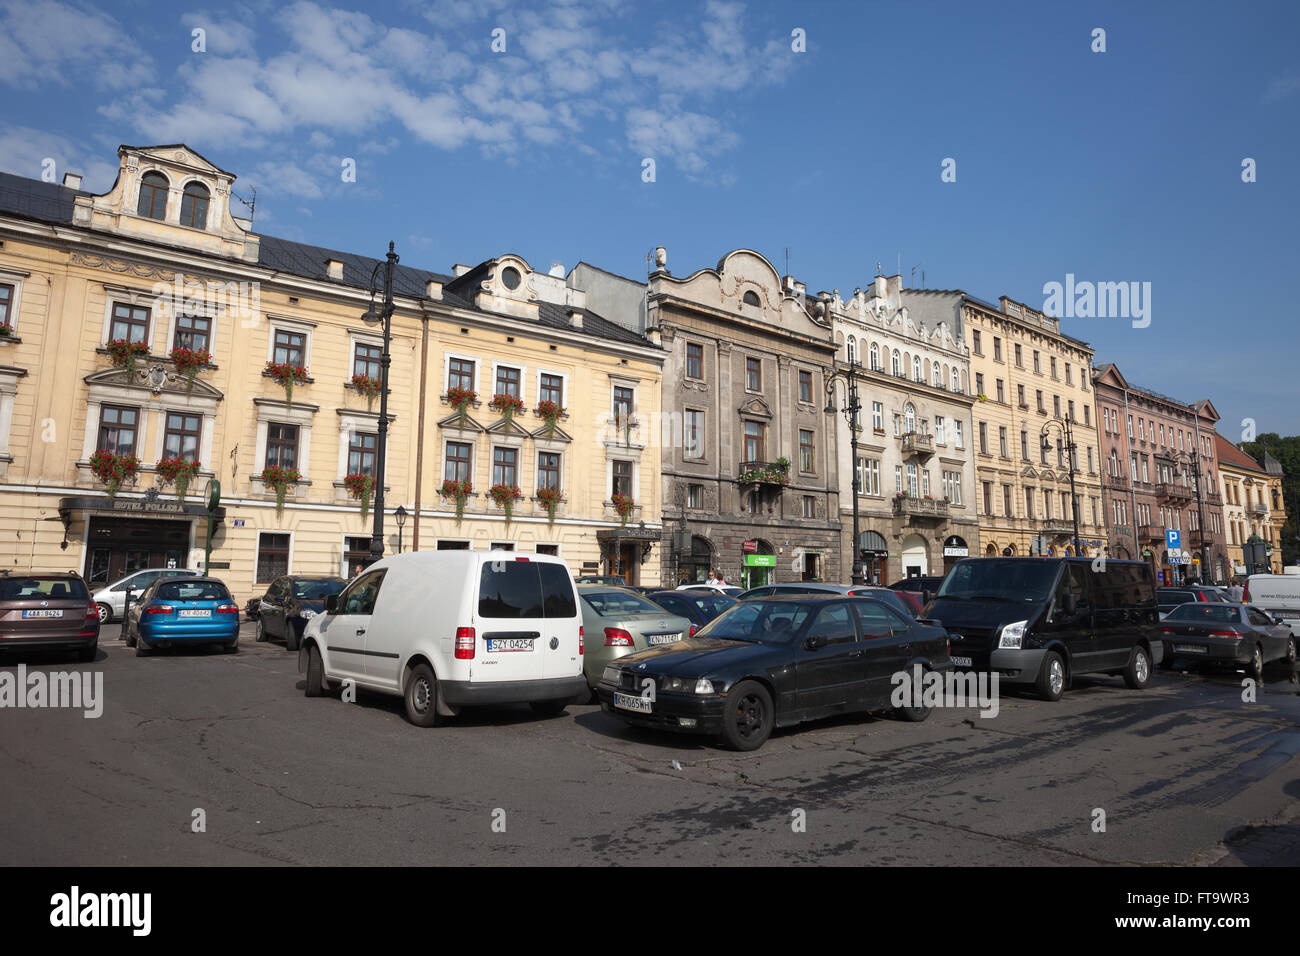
[617, 622]
[48, 611]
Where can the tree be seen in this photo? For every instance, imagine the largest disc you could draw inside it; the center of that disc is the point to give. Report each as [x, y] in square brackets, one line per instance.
[1287, 452]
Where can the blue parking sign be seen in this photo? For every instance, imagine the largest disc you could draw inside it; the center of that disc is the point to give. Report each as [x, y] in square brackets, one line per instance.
[1173, 538]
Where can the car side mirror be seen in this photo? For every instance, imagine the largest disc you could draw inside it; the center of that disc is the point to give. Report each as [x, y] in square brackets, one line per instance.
[816, 641]
[331, 603]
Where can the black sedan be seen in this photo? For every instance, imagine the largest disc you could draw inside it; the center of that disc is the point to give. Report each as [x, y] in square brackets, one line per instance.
[289, 603]
[774, 662]
[1227, 635]
[698, 607]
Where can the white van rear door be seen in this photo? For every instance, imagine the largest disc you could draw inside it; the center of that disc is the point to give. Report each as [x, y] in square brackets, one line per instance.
[509, 621]
[562, 621]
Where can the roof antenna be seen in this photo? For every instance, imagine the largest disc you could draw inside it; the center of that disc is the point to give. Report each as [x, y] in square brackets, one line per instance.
[787, 260]
[252, 205]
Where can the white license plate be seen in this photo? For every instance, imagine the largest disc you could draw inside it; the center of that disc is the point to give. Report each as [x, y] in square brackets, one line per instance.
[42, 614]
[962, 661]
[193, 612]
[500, 645]
[1189, 649]
[627, 702]
[665, 638]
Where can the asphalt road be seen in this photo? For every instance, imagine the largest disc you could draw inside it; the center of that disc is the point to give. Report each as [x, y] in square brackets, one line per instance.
[1185, 772]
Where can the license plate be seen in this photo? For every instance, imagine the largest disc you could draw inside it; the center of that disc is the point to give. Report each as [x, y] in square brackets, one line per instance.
[962, 661]
[499, 645]
[665, 638]
[1189, 649]
[42, 614]
[191, 612]
[627, 702]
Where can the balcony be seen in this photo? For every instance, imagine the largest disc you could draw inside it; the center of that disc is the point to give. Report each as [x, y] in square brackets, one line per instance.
[1149, 532]
[1059, 527]
[1169, 489]
[774, 473]
[1115, 481]
[1257, 509]
[918, 445]
[931, 508]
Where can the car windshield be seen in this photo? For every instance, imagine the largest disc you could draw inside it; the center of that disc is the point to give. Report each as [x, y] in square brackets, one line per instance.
[1213, 613]
[995, 579]
[615, 603]
[710, 603]
[758, 622]
[192, 591]
[316, 590]
[42, 589]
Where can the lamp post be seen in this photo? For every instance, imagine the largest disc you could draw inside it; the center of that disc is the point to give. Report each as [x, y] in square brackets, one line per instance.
[385, 315]
[400, 517]
[1194, 462]
[1067, 437]
[850, 411]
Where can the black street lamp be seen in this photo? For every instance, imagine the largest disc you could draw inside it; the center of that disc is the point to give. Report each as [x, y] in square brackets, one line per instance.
[385, 315]
[400, 517]
[851, 411]
[1194, 462]
[1067, 436]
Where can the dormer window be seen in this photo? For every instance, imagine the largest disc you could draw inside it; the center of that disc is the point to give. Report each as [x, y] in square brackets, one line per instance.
[750, 298]
[510, 278]
[153, 196]
[194, 206]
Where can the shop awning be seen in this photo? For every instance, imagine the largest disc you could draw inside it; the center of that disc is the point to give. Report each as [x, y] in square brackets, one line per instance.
[154, 506]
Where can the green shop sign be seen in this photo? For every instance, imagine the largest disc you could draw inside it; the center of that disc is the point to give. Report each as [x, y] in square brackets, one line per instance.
[760, 560]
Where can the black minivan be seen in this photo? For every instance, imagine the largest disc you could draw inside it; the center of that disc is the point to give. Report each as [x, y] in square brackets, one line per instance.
[1040, 621]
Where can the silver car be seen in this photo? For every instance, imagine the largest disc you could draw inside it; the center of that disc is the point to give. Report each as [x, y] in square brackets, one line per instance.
[111, 599]
[616, 621]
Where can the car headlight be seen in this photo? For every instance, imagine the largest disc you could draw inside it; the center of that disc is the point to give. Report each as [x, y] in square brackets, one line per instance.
[611, 675]
[704, 686]
[1013, 635]
[307, 614]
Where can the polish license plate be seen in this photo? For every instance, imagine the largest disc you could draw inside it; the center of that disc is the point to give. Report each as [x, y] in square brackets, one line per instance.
[628, 702]
[1189, 649]
[500, 645]
[194, 612]
[42, 613]
[962, 661]
[665, 638]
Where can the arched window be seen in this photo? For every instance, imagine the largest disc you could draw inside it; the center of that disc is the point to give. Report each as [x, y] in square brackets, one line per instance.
[936, 376]
[194, 206]
[852, 348]
[916, 369]
[909, 417]
[875, 356]
[153, 196]
[956, 380]
[896, 363]
[751, 298]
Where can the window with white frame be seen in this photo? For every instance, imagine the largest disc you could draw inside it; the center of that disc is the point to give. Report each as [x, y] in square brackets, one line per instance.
[939, 438]
[877, 416]
[957, 437]
[693, 433]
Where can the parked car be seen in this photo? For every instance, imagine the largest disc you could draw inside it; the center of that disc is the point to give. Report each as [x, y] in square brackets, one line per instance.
[1170, 598]
[773, 662]
[290, 602]
[892, 598]
[614, 580]
[446, 629]
[699, 607]
[48, 611]
[914, 602]
[182, 611]
[1041, 621]
[1226, 635]
[111, 599]
[1277, 595]
[927, 585]
[618, 622]
[728, 589]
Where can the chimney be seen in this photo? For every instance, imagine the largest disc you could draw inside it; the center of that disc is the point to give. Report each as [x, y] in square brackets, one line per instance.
[656, 339]
[334, 269]
[72, 180]
[433, 289]
[557, 268]
[575, 318]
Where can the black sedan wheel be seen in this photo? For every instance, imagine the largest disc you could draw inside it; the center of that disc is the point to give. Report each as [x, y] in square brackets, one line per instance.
[260, 631]
[1257, 665]
[748, 718]
[291, 638]
[919, 712]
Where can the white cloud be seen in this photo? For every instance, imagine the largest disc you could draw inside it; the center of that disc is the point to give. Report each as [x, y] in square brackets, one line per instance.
[23, 151]
[44, 42]
[223, 34]
[1282, 87]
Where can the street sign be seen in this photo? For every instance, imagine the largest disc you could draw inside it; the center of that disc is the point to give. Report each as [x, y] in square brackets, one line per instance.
[1175, 556]
[1173, 539]
[750, 547]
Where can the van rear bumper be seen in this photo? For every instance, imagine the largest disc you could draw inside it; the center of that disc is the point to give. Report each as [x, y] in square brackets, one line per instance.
[461, 693]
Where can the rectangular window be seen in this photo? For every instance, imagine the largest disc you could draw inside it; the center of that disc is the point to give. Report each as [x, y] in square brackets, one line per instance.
[130, 322]
[460, 374]
[623, 399]
[809, 506]
[1056, 405]
[1029, 503]
[505, 466]
[1053, 366]
[290, 348]
[959, 441]
[975, 342]
[979, 383]
[6, 304]
[984, 438]
[807, 452]
[1047, 504]
[753, 441]
[694, 360]
[552, 549]
[193, 332]
[693, 433]
[1024, 445]
[281, 445]
[1019, 358]
[458, 466]
[939, 438]
[805, 386]
[997, 349]
[551, 389]
[181, 439]
[1038, 362]
[1038, 395]
[622, 478]
[988, 497]
[754, 374]
[1006, 501]
[1070, 411]
[695, 496]
[356, 555]
[1002, 443]
[877, 416]
[1087, 414]
[1001, 397]
[1020, 396]
[507, 381]
[366, 360]
[361, 453]
[117, 425]
[273, 556]
[548, 470]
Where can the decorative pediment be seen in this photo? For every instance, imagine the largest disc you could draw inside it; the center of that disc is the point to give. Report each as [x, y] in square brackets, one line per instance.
[1047, 475]
[155, 377]
[453, 422]
[503, 427]
[756, 407]
[556, 434]
[1028, 472]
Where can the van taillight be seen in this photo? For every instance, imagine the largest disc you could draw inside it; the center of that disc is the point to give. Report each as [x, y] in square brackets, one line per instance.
[617, 637]
[1245, 593]
[692, 634]
[582, 641]
[1166, 630]
[465, 643]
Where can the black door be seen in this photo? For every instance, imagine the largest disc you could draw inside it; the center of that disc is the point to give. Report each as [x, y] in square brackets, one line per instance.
[1075, 614]
[829, 676]
[887, 647]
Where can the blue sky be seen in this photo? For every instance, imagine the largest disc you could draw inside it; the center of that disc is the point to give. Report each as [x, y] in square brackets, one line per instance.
[1115, 166]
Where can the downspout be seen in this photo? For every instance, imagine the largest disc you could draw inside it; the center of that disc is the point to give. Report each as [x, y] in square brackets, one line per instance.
[419, 434]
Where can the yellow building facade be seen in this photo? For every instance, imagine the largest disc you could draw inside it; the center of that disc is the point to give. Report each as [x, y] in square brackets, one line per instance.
[159, 264]
[1252, 505]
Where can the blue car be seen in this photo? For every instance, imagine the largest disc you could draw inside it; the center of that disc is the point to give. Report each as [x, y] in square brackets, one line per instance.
[175, 611]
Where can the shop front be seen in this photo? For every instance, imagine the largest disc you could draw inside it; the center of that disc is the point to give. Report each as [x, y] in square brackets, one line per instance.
[874, 555]
[624, 550]
[757, 570]
[954, 549]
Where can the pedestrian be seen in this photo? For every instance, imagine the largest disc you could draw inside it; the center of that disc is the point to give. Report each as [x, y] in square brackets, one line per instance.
[1235, 592]
[713, 578]
[720, 581]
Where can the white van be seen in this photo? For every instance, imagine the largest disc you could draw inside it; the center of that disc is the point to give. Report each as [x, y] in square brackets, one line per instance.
[448, 628]
[1277, 595]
